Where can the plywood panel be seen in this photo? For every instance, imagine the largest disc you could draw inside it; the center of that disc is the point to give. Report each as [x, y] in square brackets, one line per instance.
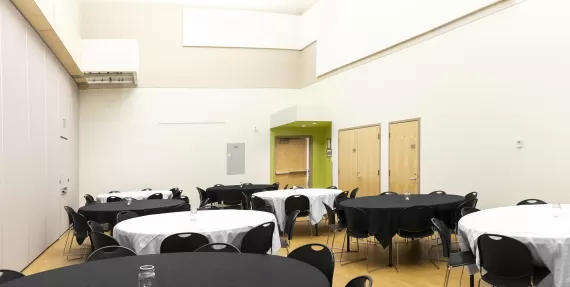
[368, 153]
[404, 157]
[347, 159]
[3, 193]
[291, 161]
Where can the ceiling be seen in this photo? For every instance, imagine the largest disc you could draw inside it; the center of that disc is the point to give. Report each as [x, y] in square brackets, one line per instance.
[277, 6]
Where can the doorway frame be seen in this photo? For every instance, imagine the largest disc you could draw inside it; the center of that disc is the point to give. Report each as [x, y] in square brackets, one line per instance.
[419, 183]
[276, 138]
[379, 125]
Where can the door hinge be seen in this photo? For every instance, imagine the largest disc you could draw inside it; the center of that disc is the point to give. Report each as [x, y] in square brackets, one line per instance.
[378, 136]
[378, 172]
[389, 172]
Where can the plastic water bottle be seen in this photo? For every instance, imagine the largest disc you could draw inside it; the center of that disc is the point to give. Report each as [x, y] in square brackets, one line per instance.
[147, 277]
[193, 214]
[407, 194]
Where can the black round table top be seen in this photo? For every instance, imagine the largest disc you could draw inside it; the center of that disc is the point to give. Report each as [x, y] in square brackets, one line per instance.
[107, 212]
[183, 269]
[234, 192]
[400, 202]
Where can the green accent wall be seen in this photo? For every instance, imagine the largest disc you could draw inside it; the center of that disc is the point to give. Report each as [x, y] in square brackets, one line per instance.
[322, 165]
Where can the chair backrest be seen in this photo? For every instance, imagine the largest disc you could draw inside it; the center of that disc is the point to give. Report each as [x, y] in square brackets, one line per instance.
[69, 212]
[297, 202]
[340, 198]
[357, 222]
[218, 247]
[257, 202]
[286, 186]
[124, 215]
[330, 215]
[184, 198]
[95, 226]
[80, 227]
[316, 255]
[89, 199]
[290, 223]
[354, 192]
[156, 196]
[259, 239]
[275, 186]
[9, 275]
[247, 184]
[245, 201]
[504, 256]
[181, 208]
[208, 208]
[361, 281]
[109, 252]
[469, 203]
[176, 192]
[332, 187]
[468, 210]
[444, 234]
[127, 198]
[147, 189]
[438, 192]
[266, 208]
[531, 202]
[471, 195]
[114, 191]
[113, 199]
[203, 196]
[389, 193]
[102, 240]
[416, 218]
[183, 242]
[218, 185]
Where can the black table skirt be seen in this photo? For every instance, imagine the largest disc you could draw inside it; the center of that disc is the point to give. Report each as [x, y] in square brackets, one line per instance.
[183, 269]
[107, 212]
[233, 192]
[384, 211]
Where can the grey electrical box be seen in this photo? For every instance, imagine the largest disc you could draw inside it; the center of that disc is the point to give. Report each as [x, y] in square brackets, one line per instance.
[236, 158]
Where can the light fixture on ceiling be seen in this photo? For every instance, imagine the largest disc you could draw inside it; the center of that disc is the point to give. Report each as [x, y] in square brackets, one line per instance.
[314, 123]
[303, 126]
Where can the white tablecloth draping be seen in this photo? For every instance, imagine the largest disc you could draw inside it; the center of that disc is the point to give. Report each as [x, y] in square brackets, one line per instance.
[145, 234]
[317, 196]
[138, 195]
[543, 229]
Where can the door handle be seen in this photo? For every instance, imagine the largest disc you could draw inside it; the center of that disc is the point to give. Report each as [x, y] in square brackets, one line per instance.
[358, 174]
[415, 177]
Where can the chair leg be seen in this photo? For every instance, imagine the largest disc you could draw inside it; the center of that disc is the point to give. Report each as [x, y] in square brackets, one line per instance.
[461, 277]
[342, 249]
[435, 263]
[397, 256]
[66, 240]
[447, 273]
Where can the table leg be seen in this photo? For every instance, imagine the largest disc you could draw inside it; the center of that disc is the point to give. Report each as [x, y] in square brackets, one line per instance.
[347, 243]
[472, 280]
[390, 263]
[317, 229]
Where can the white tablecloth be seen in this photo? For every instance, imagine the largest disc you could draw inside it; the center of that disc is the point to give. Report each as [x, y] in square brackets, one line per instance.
[138, 195]
[145, 234]
[543, 229]
[317, 196]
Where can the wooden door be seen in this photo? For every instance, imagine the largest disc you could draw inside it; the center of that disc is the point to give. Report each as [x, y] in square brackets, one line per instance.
[347, 159]
[404, 170]
[368, 154]
[292, 157]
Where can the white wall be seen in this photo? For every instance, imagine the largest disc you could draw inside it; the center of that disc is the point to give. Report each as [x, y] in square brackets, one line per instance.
[158, 138]
[35, 94]
[478, 89]
[110, 55]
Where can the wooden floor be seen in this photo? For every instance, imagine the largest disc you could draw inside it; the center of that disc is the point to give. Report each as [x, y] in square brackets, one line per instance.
[415, 268]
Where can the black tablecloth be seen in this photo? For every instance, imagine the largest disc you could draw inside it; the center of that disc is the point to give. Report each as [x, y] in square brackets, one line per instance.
[183, 269]
[107, 212]
[384, 210]
[233, 192]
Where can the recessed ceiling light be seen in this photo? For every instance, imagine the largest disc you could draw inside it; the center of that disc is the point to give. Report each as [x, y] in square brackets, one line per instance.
[314, 123]
[303, 126]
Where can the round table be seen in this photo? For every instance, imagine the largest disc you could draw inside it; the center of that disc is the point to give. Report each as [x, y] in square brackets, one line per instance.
[317, 196]
[138, 195]
[384, 210]
[107, 212]
[226, 192]
[183, 269]
[144, 235]
[542, 228]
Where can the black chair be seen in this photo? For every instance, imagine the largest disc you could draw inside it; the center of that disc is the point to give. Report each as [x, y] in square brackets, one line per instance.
[531, 202]
[360, 281]
[301, 203]
[181, 208]
[389, 193]
[414, 223]
[124, 215]
[147, 189]
[247, 184]
[333, 226]
[113, 199]
[457, 259]
[231, 199]
[322, 259]
[468, 210]
[471, 195]
[354, 192]
[257, 202]
[9, 275]
[287, 234]
[114, 191]
[183, 242]
[245, 202]
[440, 192]
[80, 231]
[259, 240]
[100, 240]
[470, 203]
[357, 224]
[218, 185]
[95, 226]
[275, 186]
[210, 207]
[204, 199]
[185, 199]
[156, 196]
[266, 208]
[286, 186]
[110, 252]
[218, 247]
[507, 262]
[89, 199]
[176, 192]
[332, 187]
[339, 210]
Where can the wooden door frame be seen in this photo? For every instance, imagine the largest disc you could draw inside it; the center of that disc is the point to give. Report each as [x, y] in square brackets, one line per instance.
[276, 138]
[419, 180]
[379, 125]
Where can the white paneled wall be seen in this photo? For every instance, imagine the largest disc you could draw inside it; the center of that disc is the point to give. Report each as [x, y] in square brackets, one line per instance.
[35, 93]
